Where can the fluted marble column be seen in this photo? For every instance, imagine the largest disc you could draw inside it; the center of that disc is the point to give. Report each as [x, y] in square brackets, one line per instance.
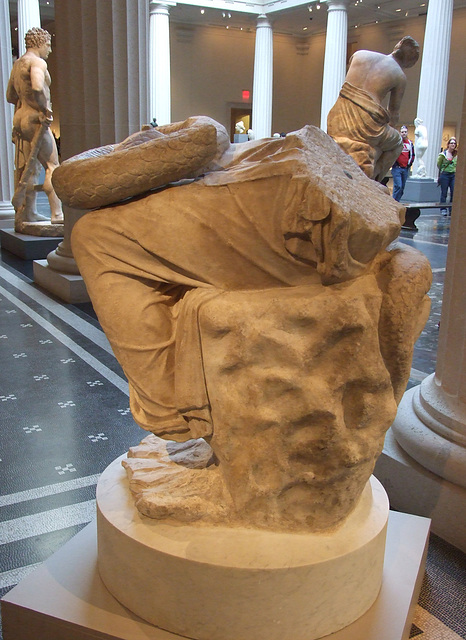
[263, 80]
[335, 56]
[431, 422]
[7, 211]
[434, 76]
[28, 17]
[159, 61]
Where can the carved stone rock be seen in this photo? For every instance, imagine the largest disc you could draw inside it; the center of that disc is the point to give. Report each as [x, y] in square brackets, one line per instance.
[302, 386]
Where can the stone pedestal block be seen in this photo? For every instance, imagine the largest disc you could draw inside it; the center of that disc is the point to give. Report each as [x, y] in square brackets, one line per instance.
[65, 599]
[25, 246]
[66, 286]
[421, 190]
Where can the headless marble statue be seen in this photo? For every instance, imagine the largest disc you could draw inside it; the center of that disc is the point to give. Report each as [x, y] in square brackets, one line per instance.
[420, 147]
[264, 323]
[358, 121]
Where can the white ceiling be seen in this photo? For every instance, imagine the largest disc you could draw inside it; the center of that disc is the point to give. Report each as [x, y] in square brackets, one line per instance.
[298, 20]
[284, 15]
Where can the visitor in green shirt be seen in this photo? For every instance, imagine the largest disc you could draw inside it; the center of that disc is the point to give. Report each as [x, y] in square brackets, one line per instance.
[446, 162]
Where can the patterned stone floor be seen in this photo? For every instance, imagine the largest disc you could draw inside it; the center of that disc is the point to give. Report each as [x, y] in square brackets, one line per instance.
[64, 417]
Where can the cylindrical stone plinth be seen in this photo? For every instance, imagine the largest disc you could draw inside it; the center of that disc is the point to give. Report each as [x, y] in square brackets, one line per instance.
[220, 583]
[61, 259]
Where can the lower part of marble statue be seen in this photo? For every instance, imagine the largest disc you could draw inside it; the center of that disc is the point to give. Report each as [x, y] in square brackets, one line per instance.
[300, 406]
[33, 217]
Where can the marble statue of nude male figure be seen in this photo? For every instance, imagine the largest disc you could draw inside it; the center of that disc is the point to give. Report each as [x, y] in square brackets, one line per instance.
[29, 90]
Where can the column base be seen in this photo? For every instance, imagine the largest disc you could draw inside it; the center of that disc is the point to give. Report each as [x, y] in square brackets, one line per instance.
[65, 599]
[66, 286]
[428, 426]
[411, 488]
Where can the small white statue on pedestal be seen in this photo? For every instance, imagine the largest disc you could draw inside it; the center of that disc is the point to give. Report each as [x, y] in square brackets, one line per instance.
[420, 146]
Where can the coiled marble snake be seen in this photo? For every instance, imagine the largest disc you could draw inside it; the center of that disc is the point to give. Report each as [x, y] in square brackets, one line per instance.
[147, 160]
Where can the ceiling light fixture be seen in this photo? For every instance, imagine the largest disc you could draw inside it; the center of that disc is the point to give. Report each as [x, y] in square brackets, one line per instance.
[317, 6]
[202, 11]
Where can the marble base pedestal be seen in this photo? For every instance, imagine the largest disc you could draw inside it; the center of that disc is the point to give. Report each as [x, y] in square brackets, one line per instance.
[227, 583]
[25, 246]
[65, 599]
[413, 489]
[66, 286]
[421, 190]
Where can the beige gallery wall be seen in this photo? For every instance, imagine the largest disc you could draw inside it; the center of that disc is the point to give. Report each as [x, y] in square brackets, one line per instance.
[211, 66]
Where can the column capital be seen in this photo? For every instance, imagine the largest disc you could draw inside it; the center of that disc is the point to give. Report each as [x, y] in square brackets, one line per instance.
[155, 6]
[263, 21]
[337, 5]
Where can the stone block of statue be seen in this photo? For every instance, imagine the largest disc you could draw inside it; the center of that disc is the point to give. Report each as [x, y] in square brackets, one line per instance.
[420, 146]
[35, 147]
[262, 315]
[359, 122]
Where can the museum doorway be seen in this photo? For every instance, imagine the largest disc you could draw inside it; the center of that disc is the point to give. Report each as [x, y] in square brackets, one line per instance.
[236, 115]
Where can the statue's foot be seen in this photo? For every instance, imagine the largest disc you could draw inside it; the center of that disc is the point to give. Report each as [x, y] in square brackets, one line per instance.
[33, 216]
[177, 481]
[57, 218]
